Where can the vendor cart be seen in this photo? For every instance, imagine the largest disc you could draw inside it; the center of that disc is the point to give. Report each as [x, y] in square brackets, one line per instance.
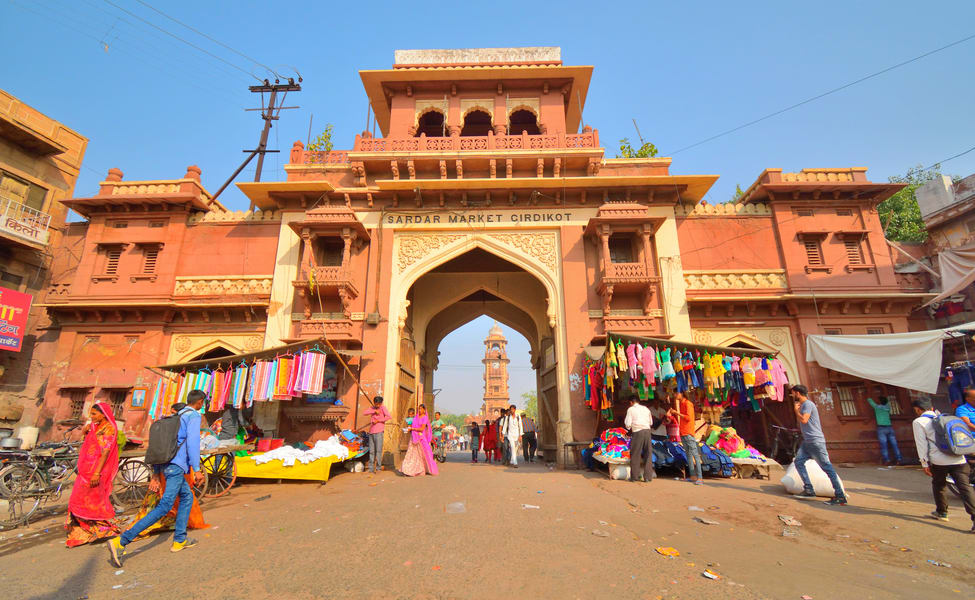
[218, 465]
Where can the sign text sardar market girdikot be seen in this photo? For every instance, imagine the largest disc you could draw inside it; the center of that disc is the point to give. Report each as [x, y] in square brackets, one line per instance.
[512, 217]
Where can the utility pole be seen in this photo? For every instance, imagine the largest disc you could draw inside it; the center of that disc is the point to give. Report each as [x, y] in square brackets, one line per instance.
[269, 113]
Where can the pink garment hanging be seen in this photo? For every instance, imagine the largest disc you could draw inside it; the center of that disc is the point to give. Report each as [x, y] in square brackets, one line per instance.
[649, 360]
[779, 378]
[632, 360]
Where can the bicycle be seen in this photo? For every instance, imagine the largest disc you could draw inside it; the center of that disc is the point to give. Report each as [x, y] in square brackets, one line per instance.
[25, 486]
[440, 451]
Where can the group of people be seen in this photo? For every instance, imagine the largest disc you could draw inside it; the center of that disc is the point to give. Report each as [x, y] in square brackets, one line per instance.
[676, 415]
[170, 499]
[502, 438]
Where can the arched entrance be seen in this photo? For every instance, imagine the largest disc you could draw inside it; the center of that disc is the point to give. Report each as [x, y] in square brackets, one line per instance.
[476, 122]
[443, 280]
[431, 124]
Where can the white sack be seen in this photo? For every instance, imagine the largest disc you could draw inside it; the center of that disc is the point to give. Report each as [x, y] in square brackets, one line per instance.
[820, 481]
[957, 267]
[907, 360]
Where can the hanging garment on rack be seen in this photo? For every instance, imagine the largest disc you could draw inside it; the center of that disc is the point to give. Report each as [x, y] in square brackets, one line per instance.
[238, 394]
[649, 360]
[666, 366]
[621, 357]
[780, 379]
[632, 362]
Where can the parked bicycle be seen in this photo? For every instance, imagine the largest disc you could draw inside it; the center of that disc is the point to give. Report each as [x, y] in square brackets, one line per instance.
[25, 487]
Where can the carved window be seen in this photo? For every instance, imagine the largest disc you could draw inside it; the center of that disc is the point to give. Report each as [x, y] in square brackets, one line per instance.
[22, 192]
[875, 331]
[432, 124]
[329, 251]
[120, 224]
[847, 395]
[150, 254]
[156, 224]
[523, 121]
[112, 257]
[116, 398]
[854, 251]
[76, 401]
[477, 123]
[814, 252]
[844, 212]
[805, 212]
[833, 331]
[621, 248]
[12, 279]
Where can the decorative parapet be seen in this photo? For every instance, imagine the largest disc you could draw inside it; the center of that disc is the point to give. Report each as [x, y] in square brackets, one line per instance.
[819, 175]
[237, 216]
[226, 285]
[727, 209]
[735, 279]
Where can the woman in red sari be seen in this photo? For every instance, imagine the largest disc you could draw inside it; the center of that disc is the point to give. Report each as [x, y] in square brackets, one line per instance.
[91, 515]
[489, 439]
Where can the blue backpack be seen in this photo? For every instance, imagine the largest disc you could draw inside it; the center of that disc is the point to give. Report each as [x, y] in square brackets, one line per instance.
[952, 435]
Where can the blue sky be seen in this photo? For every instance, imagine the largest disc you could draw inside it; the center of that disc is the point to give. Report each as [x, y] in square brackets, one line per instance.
[152, 105]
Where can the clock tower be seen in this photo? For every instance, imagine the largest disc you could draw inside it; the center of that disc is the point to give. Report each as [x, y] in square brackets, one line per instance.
[495, 373]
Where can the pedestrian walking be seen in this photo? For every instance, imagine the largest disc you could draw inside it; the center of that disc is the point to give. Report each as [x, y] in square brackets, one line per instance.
[91, 515]
[378, 415]
[686, 422]
[640, 422]
[511, 434]
[475, 441]
[529, 439]
[885, 432]
[489, 441]
[185, 462]
[813, 447]
[938, 464]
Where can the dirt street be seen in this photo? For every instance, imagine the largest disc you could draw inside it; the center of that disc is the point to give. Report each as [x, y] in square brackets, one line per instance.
[388, 536]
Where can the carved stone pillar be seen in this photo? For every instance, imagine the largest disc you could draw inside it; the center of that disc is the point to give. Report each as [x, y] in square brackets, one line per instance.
[501, 129]
[454, 130]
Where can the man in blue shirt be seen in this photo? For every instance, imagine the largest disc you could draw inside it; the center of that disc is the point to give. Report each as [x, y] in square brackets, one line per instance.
[813, 447]
[966, 412]
[186, 461]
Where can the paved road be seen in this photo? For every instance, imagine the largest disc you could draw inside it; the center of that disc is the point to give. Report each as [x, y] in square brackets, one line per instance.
[388, 536]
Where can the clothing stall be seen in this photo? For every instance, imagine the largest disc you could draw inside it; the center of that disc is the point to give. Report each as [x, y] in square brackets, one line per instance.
[729, 387]
[263, 382]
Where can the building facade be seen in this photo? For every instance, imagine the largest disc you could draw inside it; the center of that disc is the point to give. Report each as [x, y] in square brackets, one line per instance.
[39, 163]
[495, 361]
[485, 195]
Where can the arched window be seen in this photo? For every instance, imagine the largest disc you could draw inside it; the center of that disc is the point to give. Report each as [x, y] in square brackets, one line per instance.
[523, 120]
[477, 122]
[218, 352]
[431, 123]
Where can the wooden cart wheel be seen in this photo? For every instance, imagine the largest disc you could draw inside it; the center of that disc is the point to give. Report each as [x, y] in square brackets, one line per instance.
[221, 470]
[131, 483]
[199, 489]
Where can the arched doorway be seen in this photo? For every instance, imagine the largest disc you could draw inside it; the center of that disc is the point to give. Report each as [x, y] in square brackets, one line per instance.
[523, 120]
[217, 352]
[449, 279]
[431, 124]
[477, 123]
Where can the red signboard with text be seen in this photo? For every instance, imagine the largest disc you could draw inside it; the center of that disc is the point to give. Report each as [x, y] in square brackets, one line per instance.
[14, 308]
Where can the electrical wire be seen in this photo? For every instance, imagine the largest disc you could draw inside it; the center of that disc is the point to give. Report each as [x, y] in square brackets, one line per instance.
[824, 94]
[218, 42]
[190, 44]
[950, 158]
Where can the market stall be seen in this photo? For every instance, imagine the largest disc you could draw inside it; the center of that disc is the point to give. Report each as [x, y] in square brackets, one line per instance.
[300, 374]
[728, 385]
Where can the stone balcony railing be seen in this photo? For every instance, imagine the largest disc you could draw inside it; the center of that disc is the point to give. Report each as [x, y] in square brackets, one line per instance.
[490, 142]
[333, 329]
[626, 272]
[228, 285]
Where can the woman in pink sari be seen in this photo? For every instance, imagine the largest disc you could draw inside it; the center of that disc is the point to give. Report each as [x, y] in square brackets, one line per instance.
[91, 515]
[419, 455]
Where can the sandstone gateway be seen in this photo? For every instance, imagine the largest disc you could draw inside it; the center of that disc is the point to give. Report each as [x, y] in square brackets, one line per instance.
[486, 194]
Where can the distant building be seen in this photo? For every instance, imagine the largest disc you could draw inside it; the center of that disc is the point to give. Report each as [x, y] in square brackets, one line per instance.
[495, 373]
[39, 163]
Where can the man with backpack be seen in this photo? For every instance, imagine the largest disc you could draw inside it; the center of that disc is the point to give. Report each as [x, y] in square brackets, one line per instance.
[936, 447]
[174, 451]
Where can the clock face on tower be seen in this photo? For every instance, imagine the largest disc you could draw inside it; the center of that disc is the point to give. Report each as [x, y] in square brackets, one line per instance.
[496, 364]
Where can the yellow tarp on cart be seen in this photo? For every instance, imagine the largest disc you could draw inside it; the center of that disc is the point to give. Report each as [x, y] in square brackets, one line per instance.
[317, 470]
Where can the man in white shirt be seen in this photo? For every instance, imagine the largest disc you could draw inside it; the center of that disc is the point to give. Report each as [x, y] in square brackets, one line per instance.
[939, 464]
[511, 432]
[639, 422]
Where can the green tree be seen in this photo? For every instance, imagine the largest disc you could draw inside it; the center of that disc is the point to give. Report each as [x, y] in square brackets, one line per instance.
[323, 143]
[647, 150]
[900, 215]
[738, 193]
[530, 404]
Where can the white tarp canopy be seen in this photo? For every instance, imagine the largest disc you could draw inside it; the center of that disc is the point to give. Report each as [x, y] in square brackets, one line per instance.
[908, 360]
[957, 270]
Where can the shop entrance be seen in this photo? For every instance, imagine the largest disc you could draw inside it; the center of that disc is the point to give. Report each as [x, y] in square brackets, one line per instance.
[458, 285]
